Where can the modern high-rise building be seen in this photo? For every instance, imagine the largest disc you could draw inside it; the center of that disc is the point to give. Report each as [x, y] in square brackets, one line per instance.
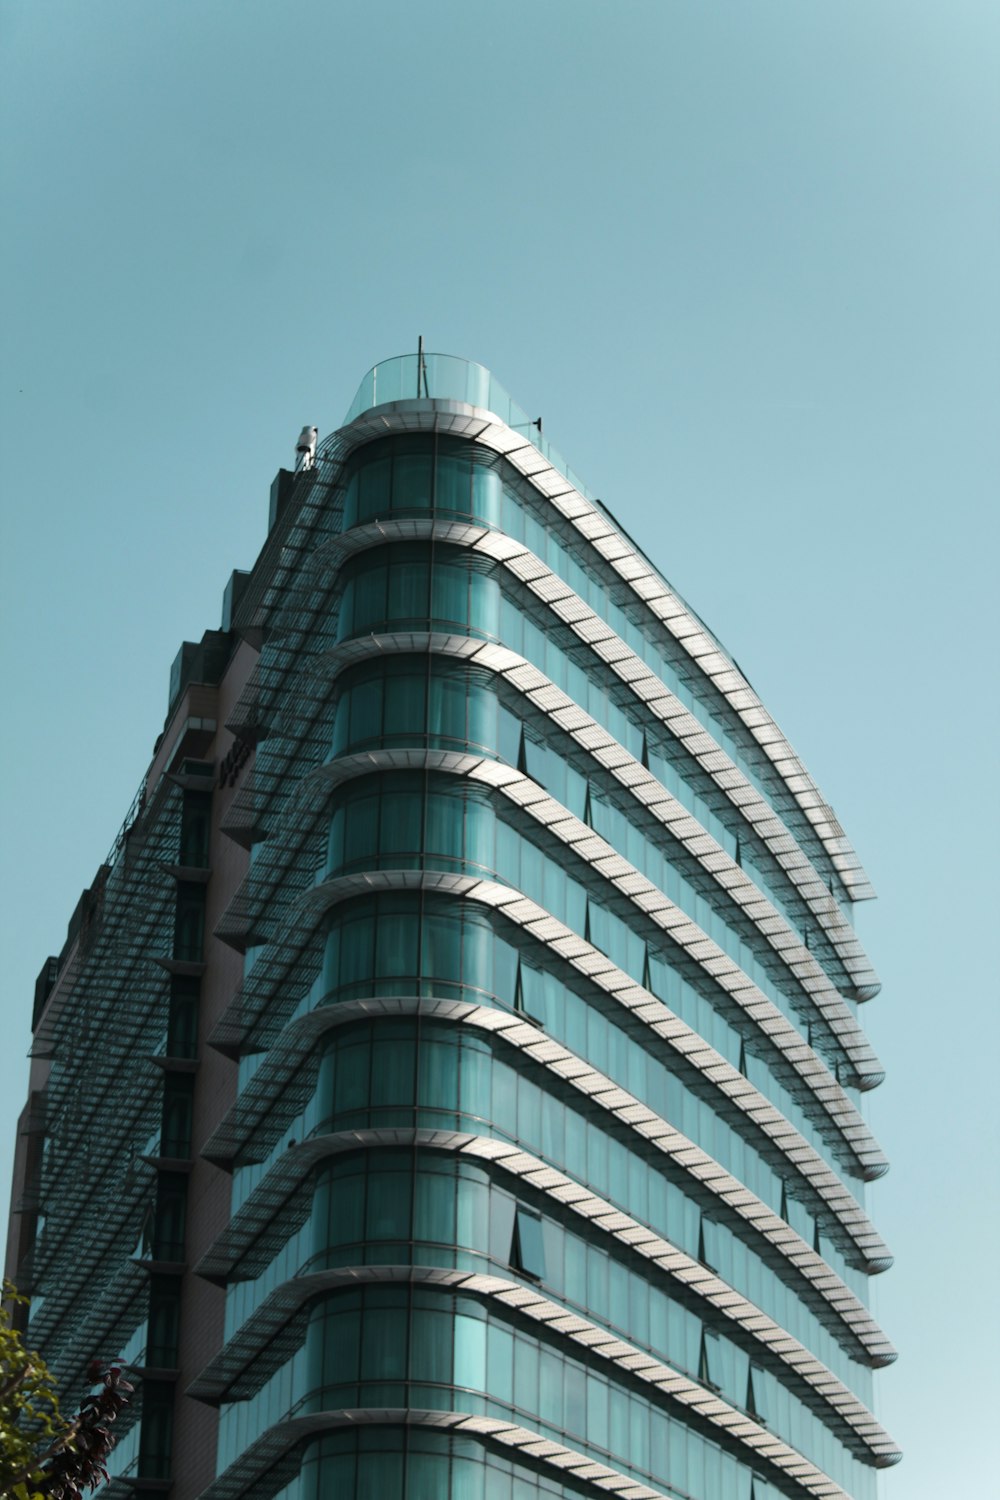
[449, 1088]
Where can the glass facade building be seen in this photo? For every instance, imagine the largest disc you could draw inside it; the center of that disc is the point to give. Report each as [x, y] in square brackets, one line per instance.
[492, 1095]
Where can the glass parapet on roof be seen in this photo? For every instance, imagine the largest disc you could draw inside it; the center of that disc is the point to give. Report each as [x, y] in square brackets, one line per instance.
[448, 377]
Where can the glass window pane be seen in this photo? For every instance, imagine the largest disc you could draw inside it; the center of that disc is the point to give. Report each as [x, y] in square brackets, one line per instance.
[366, 711]
[401, 830]
[483, 709]
[380, 1477]
[405, 703]
[355, 951]
[466, 1480]
[426, 1476]
[525, 1374]
[388, 1210]
[434, 1208]
[479, 833]
[575, 1387]
[597, 1411]
[438, 1079]
[550, 1386]
[619, 1421]
[351, 502]
[484, 613]
[368, 599]
[502, 1211]
[441, 939]
[500, 1363]
[447, 706]
[360, 830]
[352, 1077]
[475, 1088]
[412, 477]
[373, 489]
[487, 494]
[396, 945]
[477, 952]
[470, 1352]
[431, 1346]
[530, 1244]
[443, 824]
[454, 481]
[408, 591]
[474, 1215]
[383, 1347]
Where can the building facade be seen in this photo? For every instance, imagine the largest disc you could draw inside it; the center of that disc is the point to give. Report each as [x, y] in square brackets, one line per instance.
[450, 1085]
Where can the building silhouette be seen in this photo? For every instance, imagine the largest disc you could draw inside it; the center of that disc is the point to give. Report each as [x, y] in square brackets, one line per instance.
[449, 1086]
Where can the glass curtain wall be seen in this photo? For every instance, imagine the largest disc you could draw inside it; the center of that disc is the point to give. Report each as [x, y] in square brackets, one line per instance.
[396, 1073]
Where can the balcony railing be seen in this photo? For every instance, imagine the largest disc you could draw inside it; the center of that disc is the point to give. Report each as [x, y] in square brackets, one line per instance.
[446, 377]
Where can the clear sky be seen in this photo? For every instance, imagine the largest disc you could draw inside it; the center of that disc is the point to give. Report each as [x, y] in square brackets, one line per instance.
[741, 255]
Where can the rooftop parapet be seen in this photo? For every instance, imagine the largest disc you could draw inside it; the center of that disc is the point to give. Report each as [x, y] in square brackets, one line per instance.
[446, 377]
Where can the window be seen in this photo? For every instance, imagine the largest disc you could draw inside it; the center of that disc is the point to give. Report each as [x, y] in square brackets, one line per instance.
[527, 1251]
[709, 1361]
[194, 829]
[189, 923]
[707, 1244]
[175, 1128]
[755, 1402]
[157, 1432]
[182, 1023]
[164, 1323]
[169, 1219]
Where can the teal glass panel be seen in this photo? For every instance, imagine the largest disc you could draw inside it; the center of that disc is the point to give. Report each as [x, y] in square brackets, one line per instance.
[404, 702]
[412, 481]
[470, 1352]
[374, 487]
[500, 1365]
[366, 710]
[396, 950]
[469, 1085]
[388, 1206]
[529, 1247]
[383, 1352]
[487, 494]
[434, 1209]
[454, 483]
[432, 1346]
[460, 1351]
[526, 515]
[460, 827]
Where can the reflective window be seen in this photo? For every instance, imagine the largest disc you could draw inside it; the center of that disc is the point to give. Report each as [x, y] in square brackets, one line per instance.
[527, 1251]
[402, 1346]
[417, 586]
[406, 820]
[455, 1080]
[417, 473]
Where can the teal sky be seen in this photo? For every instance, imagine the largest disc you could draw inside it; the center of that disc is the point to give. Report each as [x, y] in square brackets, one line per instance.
[741, 255]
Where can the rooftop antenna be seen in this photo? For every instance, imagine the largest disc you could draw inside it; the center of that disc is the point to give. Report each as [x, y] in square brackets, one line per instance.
[421, 367]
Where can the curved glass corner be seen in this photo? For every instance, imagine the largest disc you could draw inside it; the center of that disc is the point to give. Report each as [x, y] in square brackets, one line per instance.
[447, 377]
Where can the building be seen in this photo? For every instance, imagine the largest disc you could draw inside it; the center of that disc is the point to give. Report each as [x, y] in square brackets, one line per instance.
[449, 1086]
